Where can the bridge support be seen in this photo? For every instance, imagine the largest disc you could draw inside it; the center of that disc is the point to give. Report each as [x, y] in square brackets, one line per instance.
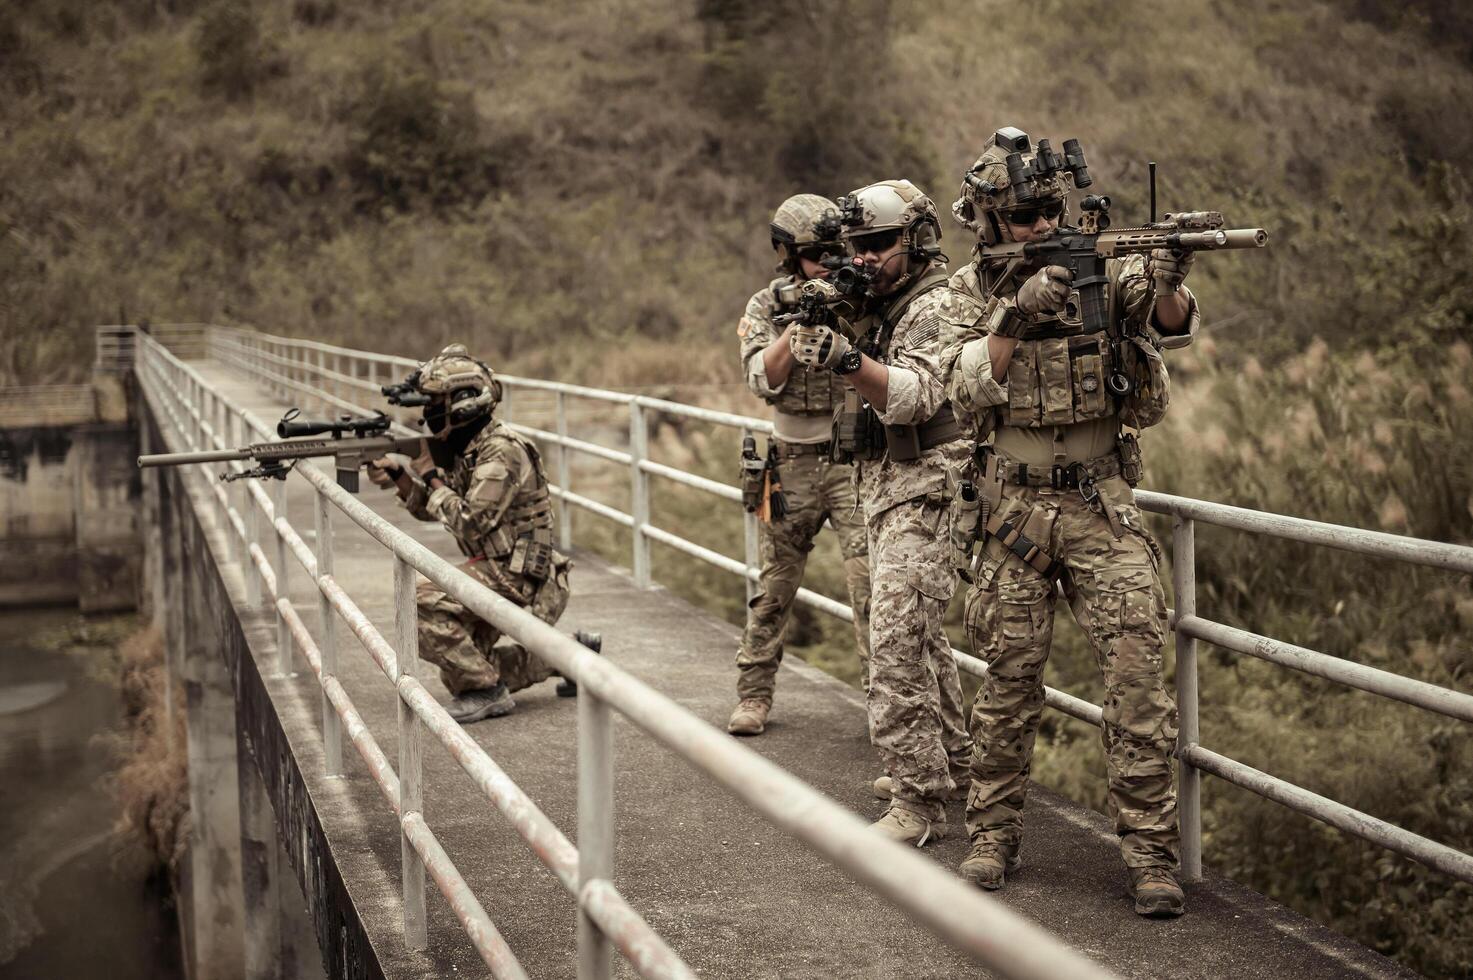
[214, 792]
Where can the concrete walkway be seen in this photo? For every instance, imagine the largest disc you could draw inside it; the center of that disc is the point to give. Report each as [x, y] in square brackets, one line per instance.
[730, 895]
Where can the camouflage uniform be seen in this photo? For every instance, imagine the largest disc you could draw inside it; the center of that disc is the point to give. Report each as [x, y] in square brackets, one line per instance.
[495, 493]
[915, 700]
[816, 490]
[1053, 414]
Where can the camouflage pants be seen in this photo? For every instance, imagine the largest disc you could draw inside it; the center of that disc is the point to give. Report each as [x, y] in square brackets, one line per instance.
[915, 696]
[463, 645]
[1115, 592]
[815, 489]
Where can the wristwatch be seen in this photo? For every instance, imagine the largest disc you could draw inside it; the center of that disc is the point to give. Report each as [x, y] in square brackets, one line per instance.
[1006, 320]
[849, 361]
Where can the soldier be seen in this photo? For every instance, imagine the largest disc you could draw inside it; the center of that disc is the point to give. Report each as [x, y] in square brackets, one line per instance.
[899, 429]
[492, 497]
[805, 231]
[1055, 484]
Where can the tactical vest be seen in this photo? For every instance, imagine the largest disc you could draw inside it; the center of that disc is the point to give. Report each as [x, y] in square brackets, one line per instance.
[1058, 375]
[809, 391]
[530, 512]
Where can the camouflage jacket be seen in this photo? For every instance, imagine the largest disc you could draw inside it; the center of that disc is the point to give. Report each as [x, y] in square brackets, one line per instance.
[494, 492]
[915, 392]
[807, 391]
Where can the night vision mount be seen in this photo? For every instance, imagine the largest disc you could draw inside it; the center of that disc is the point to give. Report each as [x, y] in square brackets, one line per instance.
[1024, 176]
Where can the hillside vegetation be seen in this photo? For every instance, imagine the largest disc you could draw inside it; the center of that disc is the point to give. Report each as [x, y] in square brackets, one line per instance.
[581, 191]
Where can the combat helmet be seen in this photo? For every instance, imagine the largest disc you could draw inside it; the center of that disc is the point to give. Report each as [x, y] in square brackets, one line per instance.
[802, 222]
[1012, 173]
[895, 205]
[462, 389]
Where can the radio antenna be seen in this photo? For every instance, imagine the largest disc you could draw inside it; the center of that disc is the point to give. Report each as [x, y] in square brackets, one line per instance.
[1152, 165]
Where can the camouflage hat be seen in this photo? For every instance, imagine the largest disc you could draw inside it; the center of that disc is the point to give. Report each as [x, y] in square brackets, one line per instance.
[469, 388]
[1037, 174]
[804, 221]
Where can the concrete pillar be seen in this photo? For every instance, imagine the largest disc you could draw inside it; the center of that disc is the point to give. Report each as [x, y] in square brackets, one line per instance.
[214, 787]
[105, 488]
[261, 870]
[151, 599]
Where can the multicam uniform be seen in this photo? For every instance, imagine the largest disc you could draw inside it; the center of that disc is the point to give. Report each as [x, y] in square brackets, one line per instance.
[815, 489]
[495, 495]
[915, 699]
[1056, 443]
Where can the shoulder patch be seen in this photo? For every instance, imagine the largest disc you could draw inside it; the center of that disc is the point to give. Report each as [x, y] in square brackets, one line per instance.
[744, 327]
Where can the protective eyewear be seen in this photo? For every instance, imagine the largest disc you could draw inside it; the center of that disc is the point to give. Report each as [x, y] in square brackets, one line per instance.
[817, 253]
[878, 242]
[1050, 210]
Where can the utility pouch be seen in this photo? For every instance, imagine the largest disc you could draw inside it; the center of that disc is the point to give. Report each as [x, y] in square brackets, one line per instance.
[753, 473]
[967, 507]
[903, 442]
[858, 433]
[532, 555]
[1130, 458]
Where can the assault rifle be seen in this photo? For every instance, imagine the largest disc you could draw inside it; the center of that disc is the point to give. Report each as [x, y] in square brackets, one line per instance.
[1083, 251]
[353, 442]
[819, 302]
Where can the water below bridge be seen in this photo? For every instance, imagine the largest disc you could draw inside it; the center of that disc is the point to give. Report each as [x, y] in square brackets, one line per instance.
[732, 896]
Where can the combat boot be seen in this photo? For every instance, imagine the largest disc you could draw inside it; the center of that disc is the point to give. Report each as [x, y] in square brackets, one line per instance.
[1156, 893]
[908, 827]
[750, 717]
[884, 788]
[989, 863]
[567, 687]
[483, 702]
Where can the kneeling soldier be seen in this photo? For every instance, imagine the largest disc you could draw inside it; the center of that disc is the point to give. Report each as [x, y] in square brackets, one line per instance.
[486, 485]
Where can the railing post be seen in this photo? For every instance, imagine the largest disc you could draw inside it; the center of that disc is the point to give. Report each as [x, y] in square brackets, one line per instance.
[220, 420]
[640, 497]
[595, 827]
[752, 552]
[320, 381]
[1189, 783]
[332, 726]
[251, 516]
[564, 476]
[406, 649]
[278, 561]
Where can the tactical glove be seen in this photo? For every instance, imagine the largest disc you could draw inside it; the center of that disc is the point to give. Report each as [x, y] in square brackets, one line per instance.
[1169, 268]
[817, 346]
[1046, 291]
[383, 473]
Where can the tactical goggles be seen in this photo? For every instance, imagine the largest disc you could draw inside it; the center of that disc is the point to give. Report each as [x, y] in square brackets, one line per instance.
[1050, 210]
[877, 242]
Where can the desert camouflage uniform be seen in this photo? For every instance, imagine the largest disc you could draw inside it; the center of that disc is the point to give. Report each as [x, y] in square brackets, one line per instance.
[816, 490]
[915, 698]
[495, 491]
[1054, 408]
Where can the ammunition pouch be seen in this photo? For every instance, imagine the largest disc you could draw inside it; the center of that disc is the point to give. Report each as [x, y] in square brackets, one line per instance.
[858, 433]
[531, 556]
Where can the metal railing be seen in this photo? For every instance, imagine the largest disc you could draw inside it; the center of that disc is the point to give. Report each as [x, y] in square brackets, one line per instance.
[289, 365]
[199, 417]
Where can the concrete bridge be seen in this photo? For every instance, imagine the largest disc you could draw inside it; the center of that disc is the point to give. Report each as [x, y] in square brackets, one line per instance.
[622, 834]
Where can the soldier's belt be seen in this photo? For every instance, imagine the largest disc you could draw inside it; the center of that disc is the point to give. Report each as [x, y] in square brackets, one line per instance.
[791, 449]
[939, 429]
[1056, 477]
